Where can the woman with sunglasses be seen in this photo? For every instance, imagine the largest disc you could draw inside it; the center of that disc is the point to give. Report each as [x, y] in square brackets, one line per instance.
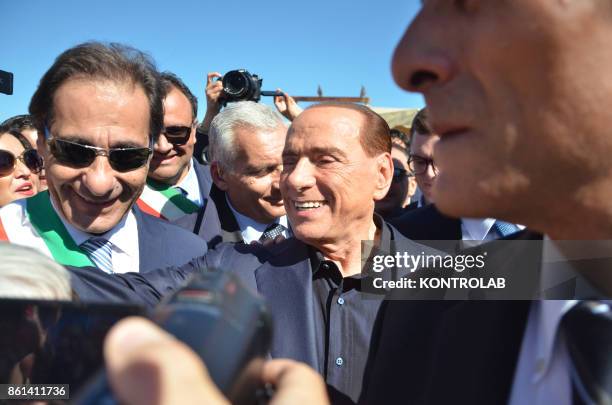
[19, 167]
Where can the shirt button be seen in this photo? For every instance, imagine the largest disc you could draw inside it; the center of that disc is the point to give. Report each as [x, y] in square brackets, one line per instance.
[340, 301]
[339, 361]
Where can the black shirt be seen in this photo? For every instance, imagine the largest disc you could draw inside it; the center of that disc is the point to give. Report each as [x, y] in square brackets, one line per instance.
[344, 319]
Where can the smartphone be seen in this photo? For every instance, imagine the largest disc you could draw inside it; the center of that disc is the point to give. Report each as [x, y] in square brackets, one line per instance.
[55, 342]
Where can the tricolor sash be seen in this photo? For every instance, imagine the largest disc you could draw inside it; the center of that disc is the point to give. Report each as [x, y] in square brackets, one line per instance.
[165, 201]
[33, 222]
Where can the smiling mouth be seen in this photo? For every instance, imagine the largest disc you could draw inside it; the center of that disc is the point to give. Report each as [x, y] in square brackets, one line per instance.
[308, 205]
[100, 204]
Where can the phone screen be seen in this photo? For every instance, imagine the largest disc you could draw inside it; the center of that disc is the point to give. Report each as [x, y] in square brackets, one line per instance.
[55, 342]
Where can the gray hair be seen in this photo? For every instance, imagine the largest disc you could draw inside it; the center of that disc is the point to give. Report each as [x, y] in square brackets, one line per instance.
[241, 114]
[26, 273]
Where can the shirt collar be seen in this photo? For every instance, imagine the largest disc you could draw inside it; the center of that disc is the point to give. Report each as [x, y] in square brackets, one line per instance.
[191, 186]
[383, 247]
[548, 317]
[121, 235]
[477, 228]
[250, 229]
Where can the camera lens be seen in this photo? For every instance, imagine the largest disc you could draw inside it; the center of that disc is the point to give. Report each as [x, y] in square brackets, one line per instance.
[235, 83]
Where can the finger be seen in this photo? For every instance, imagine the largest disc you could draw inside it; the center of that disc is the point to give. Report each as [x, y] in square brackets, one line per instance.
[295, 383]
[146, 365]
[210, 76]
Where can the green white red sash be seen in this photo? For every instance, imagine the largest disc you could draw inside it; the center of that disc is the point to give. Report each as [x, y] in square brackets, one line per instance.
[165, 201]
[33, 222]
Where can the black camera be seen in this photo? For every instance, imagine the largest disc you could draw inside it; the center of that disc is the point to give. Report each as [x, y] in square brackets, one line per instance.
[240, 85]
[6, 82]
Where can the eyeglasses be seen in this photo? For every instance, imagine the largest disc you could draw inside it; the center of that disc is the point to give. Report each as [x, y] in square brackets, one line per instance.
[29, 157]
[419, 165]
[79, 156]
[177, 134]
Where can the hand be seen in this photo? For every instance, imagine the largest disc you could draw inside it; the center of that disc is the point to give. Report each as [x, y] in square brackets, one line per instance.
[294, 383]
[214, 91]
[287, 106]
[146, 365]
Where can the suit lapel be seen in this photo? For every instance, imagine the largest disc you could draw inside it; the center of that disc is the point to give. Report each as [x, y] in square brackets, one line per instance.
[477, 346]
[286, 283]
[230, 231]
[204, 179]
[146, 243]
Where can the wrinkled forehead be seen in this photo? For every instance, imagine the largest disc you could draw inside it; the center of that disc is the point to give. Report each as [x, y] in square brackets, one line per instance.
[325, 127]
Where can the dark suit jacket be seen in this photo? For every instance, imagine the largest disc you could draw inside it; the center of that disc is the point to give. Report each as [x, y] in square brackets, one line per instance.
[440, 352]
[160, 245]
[205, 183]
[217, 223]
[427, 223]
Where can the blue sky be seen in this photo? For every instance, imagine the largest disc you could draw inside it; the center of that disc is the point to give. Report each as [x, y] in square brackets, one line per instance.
[295, 45]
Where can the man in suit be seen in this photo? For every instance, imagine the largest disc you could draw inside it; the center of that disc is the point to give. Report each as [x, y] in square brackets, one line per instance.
[397, 201]
[177, 185]
[246, 143]
[98, 110]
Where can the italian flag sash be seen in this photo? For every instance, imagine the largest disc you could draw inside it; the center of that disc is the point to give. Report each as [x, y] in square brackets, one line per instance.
[165, 201]
[34, 223]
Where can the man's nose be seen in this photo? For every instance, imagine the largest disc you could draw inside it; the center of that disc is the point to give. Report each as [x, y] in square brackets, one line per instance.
[419, 62]
[300, 177]
[162, 145]
[100, 177]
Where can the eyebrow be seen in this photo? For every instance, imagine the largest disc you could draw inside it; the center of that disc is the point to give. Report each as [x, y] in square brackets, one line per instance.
[319, 151]
[80, 140]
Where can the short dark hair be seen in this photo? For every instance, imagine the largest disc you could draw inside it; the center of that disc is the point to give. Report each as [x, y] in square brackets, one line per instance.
[375, 137]
[420, 125]
[400, 136]
[16, 134]
[115, 62]
[170, 80]
[19, 122]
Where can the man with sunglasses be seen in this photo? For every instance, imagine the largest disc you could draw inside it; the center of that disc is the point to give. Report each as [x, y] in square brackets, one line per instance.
[177, 186]
[99, 111]
[397, 201]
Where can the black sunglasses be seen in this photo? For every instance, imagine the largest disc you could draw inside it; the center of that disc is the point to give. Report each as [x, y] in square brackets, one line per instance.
[177, 134]
[79, 156]
[29, 157]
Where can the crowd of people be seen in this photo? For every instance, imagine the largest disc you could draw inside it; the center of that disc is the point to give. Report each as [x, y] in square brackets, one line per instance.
[114, 181]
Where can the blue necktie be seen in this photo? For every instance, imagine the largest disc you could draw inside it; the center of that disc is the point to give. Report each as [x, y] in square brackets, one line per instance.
[272, 232]
[100, 253]
[504, 229]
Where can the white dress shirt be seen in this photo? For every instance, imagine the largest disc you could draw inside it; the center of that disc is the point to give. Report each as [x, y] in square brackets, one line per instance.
[252, 230]
[191, 186]
[123, 236]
